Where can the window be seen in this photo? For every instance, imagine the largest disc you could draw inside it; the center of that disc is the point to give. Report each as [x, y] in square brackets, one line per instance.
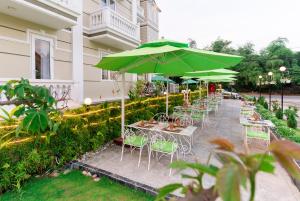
[112, 4]
[42, 57]
[108, 3]
[105, 75]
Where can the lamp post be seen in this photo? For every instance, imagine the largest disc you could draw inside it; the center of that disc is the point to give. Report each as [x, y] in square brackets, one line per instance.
[270, 74]
[260, 78]
[282, 69]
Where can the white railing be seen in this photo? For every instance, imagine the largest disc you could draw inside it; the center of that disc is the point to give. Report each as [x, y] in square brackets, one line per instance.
[107, 18]
[141, 12]
[61, 90]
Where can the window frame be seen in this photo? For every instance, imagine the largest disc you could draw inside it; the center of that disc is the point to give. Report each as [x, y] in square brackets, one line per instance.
[108, 5]
[51, 42]
[109, 78]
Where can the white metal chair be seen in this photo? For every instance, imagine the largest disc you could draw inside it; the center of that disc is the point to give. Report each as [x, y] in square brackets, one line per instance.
[163, 145]
[134, 139]
[257, 131]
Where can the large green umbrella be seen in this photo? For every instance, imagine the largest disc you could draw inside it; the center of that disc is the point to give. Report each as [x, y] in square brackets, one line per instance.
[167, 58]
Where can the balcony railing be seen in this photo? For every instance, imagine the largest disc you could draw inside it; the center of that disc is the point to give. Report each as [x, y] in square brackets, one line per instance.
[109, 19]
[61, 90]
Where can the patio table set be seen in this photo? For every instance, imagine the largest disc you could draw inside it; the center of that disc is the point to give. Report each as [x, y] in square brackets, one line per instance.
[255, 126]
[168, 135]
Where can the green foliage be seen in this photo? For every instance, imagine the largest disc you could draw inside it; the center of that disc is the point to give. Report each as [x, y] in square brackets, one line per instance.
[81, 130]
[279, 113]
[34, 103]
[138, 90]
[75, 186]
[291, 115]
[236, 171]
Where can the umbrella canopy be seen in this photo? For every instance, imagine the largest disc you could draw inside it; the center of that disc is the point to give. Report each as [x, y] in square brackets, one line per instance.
[159, 78]
[167, 58]
[211, 73]
[189, 82]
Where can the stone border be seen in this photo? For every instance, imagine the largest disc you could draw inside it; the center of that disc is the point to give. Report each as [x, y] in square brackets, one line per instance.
[117, 178]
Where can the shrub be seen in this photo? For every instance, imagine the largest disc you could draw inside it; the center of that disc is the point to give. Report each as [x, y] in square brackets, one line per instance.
[292, 122]
[279, 113]
[81, 130]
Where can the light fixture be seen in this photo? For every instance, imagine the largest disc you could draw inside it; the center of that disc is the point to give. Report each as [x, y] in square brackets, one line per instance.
[282, 68]
[88, 101]
[260, 77]
[270, 73]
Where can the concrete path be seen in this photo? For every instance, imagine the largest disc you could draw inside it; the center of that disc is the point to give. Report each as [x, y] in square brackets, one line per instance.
[225, 124]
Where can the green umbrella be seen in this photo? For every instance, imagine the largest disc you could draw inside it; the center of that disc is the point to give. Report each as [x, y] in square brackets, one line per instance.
[159, 78]
[189, 82]
[211, 73]
[167, 58]
[164, 57]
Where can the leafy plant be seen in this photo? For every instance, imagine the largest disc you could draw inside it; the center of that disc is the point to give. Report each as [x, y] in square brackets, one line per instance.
[279, 113]
[34, 104]
[291, 114]
[9, 116]
[238, 170]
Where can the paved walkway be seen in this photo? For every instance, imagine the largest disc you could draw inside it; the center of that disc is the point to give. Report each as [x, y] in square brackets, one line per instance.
[277, 187]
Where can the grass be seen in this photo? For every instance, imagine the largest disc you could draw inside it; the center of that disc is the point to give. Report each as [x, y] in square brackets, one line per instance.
[75, 187]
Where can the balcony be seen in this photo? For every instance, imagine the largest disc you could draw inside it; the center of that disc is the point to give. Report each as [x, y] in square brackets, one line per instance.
[61, 90]
[110, 28]
[56, 14]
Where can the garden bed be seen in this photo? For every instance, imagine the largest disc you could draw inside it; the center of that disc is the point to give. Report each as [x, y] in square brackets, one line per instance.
[75, 186]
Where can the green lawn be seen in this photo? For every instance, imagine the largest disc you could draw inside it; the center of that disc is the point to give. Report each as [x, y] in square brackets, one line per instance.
[75, 187]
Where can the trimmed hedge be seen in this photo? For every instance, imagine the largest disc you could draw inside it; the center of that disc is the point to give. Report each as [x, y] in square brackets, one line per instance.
[82, 130]
[281, 127]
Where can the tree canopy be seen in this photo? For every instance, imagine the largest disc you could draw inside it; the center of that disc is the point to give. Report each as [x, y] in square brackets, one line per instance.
[276, 54]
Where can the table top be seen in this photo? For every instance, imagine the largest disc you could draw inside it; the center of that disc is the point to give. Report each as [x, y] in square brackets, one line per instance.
[187, 131]
[247, 122]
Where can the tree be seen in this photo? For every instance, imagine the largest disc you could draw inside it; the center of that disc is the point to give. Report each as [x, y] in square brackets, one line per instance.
[221, 45]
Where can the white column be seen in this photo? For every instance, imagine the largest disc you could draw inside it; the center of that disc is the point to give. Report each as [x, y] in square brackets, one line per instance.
[77, 59]
[134, 11]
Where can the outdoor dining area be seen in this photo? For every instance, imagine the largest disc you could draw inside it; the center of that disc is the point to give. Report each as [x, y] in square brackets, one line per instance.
[171, 134]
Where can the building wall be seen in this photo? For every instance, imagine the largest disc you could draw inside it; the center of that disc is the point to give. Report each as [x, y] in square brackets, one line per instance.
[15, 48]
[15, 52]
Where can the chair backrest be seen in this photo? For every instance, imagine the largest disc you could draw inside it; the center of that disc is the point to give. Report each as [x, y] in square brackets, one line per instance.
[185, 120]
[161, 117]
[128, 132]
[158, 137]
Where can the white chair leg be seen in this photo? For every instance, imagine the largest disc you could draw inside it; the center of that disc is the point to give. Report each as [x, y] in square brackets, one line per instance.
[149, 160]
[171, 162]
[141, 149]
[122, 152]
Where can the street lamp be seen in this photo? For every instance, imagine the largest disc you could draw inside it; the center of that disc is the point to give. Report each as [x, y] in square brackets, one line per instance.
[270, 74]
[282, 69]
[260, 78]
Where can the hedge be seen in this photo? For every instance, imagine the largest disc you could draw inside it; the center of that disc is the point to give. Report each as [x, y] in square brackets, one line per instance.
[281, 128]
[82, 130]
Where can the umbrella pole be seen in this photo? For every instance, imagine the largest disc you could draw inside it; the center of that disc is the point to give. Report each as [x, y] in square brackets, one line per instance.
[123, 106]
[167, 98]
[200, 89]
[207, 90]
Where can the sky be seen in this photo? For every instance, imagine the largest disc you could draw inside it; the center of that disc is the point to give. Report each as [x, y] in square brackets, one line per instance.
[240, 21]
